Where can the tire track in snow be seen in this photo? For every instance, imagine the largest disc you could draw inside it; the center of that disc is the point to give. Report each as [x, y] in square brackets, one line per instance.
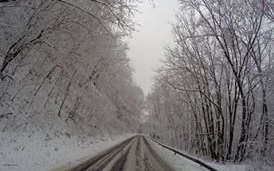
[133, 154]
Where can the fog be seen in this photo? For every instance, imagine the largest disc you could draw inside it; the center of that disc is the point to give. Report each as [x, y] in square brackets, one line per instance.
[147, 45]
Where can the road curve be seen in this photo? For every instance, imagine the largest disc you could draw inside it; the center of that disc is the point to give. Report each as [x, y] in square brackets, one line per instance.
[134, 154]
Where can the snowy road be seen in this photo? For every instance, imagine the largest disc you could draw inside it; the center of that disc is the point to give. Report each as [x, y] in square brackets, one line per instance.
[133, 154]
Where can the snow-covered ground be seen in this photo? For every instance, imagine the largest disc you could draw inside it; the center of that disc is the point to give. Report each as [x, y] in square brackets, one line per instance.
[19, 152]
[24, 153]
[180, 163]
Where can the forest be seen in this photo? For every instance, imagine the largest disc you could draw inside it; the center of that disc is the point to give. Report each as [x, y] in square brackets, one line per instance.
[64, 69]
[213, 95]
[65, 74]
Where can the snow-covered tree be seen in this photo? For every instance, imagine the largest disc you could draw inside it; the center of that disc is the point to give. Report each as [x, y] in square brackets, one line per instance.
[219, 69]
[64, 69]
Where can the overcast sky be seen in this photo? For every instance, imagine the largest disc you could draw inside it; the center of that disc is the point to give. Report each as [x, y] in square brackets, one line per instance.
[147, 45]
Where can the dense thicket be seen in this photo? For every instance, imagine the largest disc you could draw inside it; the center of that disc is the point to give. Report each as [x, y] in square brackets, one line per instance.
[214, 94]
[63, 67]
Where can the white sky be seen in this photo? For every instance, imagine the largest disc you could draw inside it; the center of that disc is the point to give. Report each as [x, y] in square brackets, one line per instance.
[147, 45]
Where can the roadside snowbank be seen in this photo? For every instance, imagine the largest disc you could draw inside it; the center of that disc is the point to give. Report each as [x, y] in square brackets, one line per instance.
[180, 163]
[25, 153]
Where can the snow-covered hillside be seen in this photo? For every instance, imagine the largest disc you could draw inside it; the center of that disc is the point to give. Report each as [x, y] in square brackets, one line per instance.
[65, 76]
